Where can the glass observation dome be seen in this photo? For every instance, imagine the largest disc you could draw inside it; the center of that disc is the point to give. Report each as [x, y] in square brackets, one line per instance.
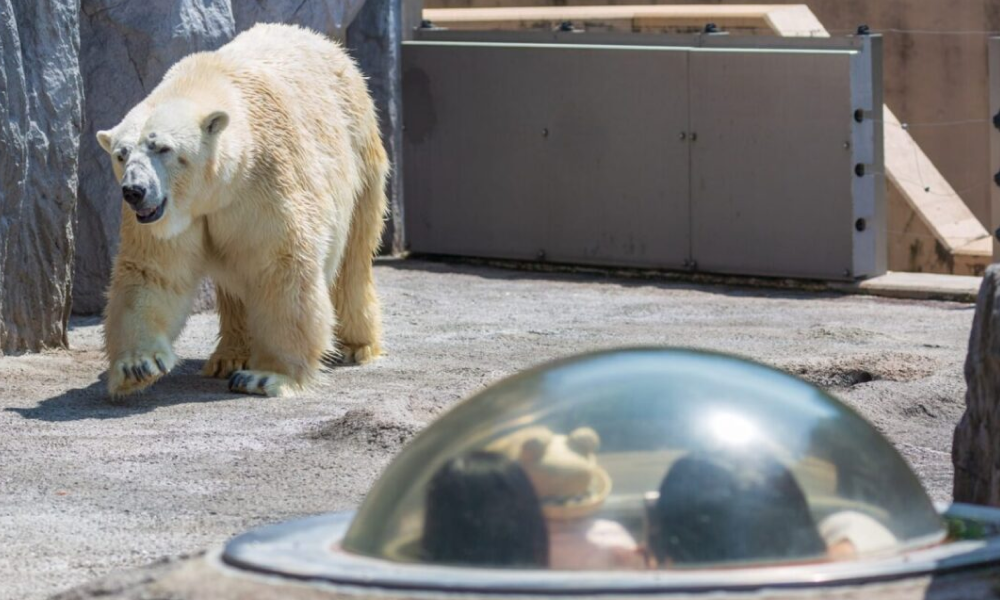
[645, 460]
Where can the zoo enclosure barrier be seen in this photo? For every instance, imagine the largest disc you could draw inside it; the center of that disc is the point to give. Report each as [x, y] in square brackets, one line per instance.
[736, 155]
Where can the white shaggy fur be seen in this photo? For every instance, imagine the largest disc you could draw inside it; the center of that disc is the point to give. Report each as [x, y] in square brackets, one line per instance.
[265, 161]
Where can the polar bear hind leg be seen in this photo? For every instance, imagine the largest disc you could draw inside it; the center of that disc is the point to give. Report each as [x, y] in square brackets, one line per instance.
[288, 321]
[359, 318]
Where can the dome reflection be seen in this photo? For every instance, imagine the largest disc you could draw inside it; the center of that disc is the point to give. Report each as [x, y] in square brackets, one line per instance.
[645, 459]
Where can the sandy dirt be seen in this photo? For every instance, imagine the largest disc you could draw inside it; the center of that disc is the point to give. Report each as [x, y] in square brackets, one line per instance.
[88, 487]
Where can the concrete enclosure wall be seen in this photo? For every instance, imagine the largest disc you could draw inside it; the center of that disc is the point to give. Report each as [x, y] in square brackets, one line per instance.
[534, 146]
[938, 78]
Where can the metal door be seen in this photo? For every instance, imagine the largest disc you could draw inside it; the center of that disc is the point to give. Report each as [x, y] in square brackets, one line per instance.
[771, 167]
[570, 154]
[752, 156]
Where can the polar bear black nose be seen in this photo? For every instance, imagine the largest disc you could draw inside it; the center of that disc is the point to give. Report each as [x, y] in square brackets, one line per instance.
[133, 194]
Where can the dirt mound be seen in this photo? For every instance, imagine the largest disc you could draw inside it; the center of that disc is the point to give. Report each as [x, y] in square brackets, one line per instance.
[848, 371]
[853, 335]
[364, 427]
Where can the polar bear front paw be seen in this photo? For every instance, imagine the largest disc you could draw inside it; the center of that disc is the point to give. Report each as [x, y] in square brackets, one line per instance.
[134, 371]
[222, 365]
[265, 383]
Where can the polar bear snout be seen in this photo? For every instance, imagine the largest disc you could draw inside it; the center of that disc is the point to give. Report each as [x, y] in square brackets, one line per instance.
[147, 209]
[133, 194]
[140, 192]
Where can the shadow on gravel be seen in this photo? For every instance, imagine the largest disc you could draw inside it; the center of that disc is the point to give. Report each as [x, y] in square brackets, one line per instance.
[784, 289]
[774, 288]
[184, 385]
[84, 321]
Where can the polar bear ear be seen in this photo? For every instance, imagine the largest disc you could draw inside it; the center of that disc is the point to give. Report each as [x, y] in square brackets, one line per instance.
[215, 122]
[104, 139]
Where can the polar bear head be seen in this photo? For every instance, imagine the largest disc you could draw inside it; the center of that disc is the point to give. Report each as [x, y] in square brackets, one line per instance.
[166, 159]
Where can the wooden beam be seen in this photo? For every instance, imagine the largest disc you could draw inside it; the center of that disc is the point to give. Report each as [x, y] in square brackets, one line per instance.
[795, 19]
[929, 194]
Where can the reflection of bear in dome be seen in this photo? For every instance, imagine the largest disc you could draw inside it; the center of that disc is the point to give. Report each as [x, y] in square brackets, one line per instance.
[572, 487]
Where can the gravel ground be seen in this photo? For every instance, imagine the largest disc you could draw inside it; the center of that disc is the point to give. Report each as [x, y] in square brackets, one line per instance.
[87, 487]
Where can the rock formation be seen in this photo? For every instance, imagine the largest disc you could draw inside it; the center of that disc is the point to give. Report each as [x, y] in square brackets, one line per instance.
[40, 99]
[976, 448]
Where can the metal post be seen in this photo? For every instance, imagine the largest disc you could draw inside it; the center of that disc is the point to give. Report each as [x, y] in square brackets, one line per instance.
[412, 16]
[994, 174]
[867, 146]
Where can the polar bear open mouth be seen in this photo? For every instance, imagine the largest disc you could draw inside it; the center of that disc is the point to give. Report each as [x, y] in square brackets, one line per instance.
[151, 214]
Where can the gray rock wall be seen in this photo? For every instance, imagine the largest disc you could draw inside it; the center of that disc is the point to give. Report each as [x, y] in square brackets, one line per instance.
[975, 451]
[127, 47]
[40, 101]
[374, 39]
[328, 16]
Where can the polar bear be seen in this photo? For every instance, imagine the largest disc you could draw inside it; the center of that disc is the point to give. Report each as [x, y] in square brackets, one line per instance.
[260, 165]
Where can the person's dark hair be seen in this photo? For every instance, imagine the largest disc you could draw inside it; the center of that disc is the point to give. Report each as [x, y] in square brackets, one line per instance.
[723, 507]
[483, 511]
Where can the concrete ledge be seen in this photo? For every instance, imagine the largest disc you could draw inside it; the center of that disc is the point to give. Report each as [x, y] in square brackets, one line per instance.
[918, 286]
[913, 286]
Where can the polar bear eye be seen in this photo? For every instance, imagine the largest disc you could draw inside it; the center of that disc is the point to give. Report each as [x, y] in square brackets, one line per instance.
[163, 150]
[122, 155]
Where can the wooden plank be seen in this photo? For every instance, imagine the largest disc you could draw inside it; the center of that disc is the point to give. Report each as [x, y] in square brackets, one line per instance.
[927, 192]
[913, 246]
[556, 13]
[795, 20]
